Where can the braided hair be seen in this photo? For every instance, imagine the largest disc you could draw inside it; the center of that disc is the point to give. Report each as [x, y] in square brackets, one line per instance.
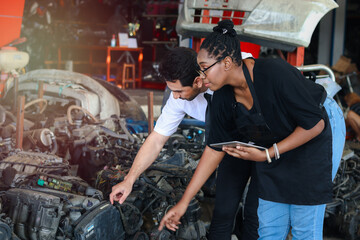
[222, 42]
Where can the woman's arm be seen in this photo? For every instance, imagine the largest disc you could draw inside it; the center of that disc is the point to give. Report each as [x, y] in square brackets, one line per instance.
[207, 165]
[297, 138]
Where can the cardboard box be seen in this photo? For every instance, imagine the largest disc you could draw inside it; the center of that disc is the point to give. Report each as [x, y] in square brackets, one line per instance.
[352, 68]
[342, 65]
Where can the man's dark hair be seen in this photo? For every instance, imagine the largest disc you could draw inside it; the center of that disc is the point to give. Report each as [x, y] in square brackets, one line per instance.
[180, 64]
[223, 42]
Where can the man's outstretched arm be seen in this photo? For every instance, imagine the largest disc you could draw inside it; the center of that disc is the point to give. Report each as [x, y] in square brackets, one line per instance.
[147, 154]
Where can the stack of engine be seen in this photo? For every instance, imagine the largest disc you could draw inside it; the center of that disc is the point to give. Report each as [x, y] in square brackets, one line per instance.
[343, 214]
[75, 146]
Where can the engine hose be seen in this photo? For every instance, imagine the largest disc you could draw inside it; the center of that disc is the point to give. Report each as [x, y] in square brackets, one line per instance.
[114, 134]
[134, 211]
[12, 116]
[352, 193]
[7, 131]
[158, 190]
[148, 183]
[342, 183]
[197, 230]
[149, 205]
[37, 101]
[171, 169]
[87, 139]
[124, 128]
[85, 111]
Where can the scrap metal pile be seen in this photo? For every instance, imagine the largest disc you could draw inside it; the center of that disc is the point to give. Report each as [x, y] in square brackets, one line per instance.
[76, 145]
[342, 217]
[80, 139]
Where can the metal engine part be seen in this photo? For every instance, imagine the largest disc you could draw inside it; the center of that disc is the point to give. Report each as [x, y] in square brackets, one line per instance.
[343, 214]
[156, 191]
[42, 139]
[35, 215]
[26, 163]
[68, 184]
[11, 59]
[42, 136]
[7, 228]
[79, 120]
[46, 214]
[5, 231]
[132, 218]
[102, 222]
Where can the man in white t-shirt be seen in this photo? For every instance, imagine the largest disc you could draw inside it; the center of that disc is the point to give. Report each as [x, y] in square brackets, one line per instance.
[181, 72]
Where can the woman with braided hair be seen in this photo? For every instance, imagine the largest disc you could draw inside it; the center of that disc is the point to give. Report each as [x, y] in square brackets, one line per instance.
[269, 103]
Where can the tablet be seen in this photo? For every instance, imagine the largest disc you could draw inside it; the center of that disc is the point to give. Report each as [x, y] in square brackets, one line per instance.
[234, 144]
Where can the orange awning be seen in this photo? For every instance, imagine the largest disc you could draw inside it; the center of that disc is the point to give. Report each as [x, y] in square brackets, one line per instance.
[11, 13]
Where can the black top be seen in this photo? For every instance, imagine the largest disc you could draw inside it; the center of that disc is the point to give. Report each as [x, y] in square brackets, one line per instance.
[287, 100]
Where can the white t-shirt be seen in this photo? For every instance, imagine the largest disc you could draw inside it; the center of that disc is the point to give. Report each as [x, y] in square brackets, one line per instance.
[175, 109]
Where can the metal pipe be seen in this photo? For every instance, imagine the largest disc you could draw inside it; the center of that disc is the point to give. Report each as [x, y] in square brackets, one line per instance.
[16, 89]
[317, 67]
[349, 84]
[20, 122]
[348, 81]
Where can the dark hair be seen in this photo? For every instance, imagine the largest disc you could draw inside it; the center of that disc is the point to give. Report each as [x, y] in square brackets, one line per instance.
[180, 64]
[222, 42]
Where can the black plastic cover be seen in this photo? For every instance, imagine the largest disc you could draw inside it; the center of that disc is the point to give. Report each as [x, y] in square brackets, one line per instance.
[35, 215]
[100, 223]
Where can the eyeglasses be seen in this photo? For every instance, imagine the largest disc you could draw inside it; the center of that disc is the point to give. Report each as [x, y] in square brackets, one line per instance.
[205, 69]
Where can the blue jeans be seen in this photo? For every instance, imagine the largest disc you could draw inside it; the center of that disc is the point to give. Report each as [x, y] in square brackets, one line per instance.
[275, 219]
[338, 129]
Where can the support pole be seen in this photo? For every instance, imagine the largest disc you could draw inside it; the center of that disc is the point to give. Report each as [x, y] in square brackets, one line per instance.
[296, 58]
[20, 122]
[16, 88]
[150, 112]
[197, 43]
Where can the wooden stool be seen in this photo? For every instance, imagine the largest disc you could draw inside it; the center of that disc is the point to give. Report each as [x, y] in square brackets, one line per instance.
[127, 68]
